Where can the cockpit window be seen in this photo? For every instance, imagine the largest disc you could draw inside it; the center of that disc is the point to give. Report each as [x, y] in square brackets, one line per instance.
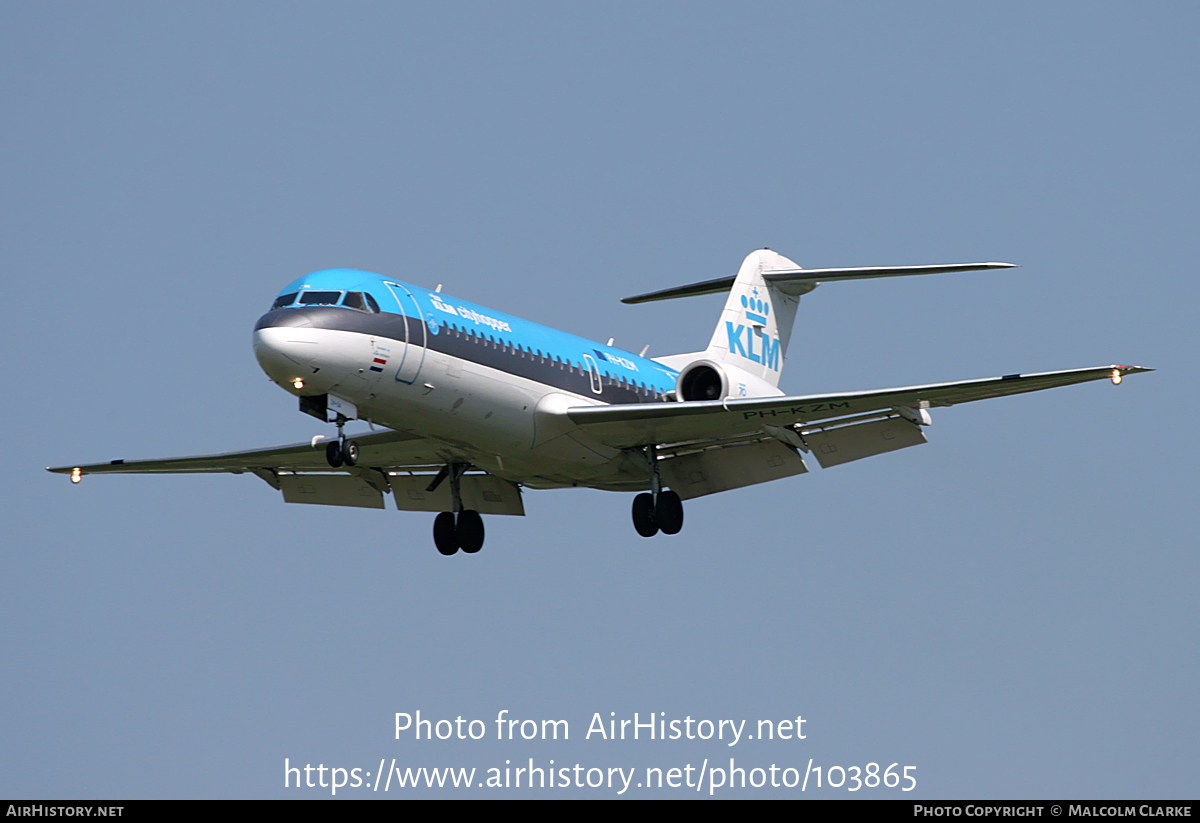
[362, 301]
[320, 298]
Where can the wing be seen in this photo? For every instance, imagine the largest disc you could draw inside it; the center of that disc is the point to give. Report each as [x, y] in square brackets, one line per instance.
[385, 450]
[641, 424]
[389, 462]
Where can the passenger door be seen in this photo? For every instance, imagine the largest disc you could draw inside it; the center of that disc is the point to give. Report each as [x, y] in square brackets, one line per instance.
[414, 348]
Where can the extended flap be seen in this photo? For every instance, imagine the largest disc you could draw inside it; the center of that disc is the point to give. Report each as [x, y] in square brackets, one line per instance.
[731, 467]
[330, 490]
[484, 493]
[833, 447]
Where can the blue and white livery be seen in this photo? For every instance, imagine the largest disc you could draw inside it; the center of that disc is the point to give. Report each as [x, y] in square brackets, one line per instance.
[476, 405]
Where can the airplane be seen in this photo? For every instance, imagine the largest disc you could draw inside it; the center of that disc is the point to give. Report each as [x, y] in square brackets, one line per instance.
[476, 405]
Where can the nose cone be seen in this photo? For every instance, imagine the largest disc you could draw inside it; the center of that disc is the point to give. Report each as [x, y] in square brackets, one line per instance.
[277, 356]
[285, 352]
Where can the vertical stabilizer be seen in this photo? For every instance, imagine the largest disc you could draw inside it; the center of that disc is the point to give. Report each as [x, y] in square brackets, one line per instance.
[756, 323]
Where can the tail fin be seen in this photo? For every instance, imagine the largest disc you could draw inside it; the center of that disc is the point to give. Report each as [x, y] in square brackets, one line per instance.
[756, 323]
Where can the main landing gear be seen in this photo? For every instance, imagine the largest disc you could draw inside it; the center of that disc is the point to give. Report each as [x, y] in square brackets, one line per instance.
[341, 451]
[457, 529]
[451, 533]
[657, 510]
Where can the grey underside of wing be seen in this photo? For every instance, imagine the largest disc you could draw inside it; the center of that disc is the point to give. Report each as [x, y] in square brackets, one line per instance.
[631, 425]
[382, 450]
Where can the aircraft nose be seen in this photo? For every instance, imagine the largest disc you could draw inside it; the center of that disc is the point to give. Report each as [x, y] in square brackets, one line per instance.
[283, 353]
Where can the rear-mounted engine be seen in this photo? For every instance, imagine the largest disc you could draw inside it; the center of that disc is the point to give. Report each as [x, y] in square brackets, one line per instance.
[702, 380]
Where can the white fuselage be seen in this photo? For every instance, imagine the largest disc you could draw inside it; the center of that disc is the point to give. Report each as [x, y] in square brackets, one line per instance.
[508, 425]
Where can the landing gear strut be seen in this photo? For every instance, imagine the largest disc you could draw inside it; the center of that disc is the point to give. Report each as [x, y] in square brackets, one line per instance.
[457, 529]
[657, 510]
[341, 451]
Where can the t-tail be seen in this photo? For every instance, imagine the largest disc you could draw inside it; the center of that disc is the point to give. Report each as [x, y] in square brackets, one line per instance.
[756, 324]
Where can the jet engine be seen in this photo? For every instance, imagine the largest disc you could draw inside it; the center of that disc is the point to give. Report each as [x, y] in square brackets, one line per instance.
[702, 380]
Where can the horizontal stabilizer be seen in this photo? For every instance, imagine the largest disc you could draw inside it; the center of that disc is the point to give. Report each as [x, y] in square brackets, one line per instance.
[799, 281]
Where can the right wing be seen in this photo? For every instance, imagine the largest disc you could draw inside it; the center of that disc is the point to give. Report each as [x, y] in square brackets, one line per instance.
[389, 462]
[389, 450]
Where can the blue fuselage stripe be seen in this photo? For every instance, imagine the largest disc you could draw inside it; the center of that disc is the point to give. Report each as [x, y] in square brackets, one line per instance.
[481, 335]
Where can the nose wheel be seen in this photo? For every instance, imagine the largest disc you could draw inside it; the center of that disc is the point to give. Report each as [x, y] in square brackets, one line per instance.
[657, 510]
[338, 454]
[457, 529]
[341, 451]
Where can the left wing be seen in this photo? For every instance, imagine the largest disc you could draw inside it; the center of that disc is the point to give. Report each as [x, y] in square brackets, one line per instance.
[641, 424]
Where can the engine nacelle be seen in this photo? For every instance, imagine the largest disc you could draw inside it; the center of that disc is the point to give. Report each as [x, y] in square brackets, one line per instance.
[702, 380]
[707, 379]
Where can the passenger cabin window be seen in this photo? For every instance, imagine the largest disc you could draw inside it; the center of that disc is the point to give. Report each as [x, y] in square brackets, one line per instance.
[320, 298]
[283, 300]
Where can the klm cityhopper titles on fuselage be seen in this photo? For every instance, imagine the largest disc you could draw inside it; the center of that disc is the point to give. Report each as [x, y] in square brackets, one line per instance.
[477, 405]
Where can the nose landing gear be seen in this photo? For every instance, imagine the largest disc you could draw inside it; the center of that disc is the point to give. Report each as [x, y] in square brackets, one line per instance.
[341, 451]
[657, 510]
[457, 529]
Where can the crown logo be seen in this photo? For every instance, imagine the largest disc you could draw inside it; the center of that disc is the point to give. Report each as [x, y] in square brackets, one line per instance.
[756, 310]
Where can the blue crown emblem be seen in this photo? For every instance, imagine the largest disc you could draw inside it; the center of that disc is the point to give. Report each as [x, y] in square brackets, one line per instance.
[756, 310]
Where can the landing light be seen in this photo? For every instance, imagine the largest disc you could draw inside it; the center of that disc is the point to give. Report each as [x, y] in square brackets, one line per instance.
[1116, 376]
[298, 383]
[76, 475]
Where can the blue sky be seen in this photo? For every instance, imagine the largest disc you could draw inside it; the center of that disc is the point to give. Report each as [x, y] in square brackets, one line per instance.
[1010, 608]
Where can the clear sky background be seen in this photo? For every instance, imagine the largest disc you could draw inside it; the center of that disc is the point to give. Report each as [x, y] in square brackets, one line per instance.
[1011, 609]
